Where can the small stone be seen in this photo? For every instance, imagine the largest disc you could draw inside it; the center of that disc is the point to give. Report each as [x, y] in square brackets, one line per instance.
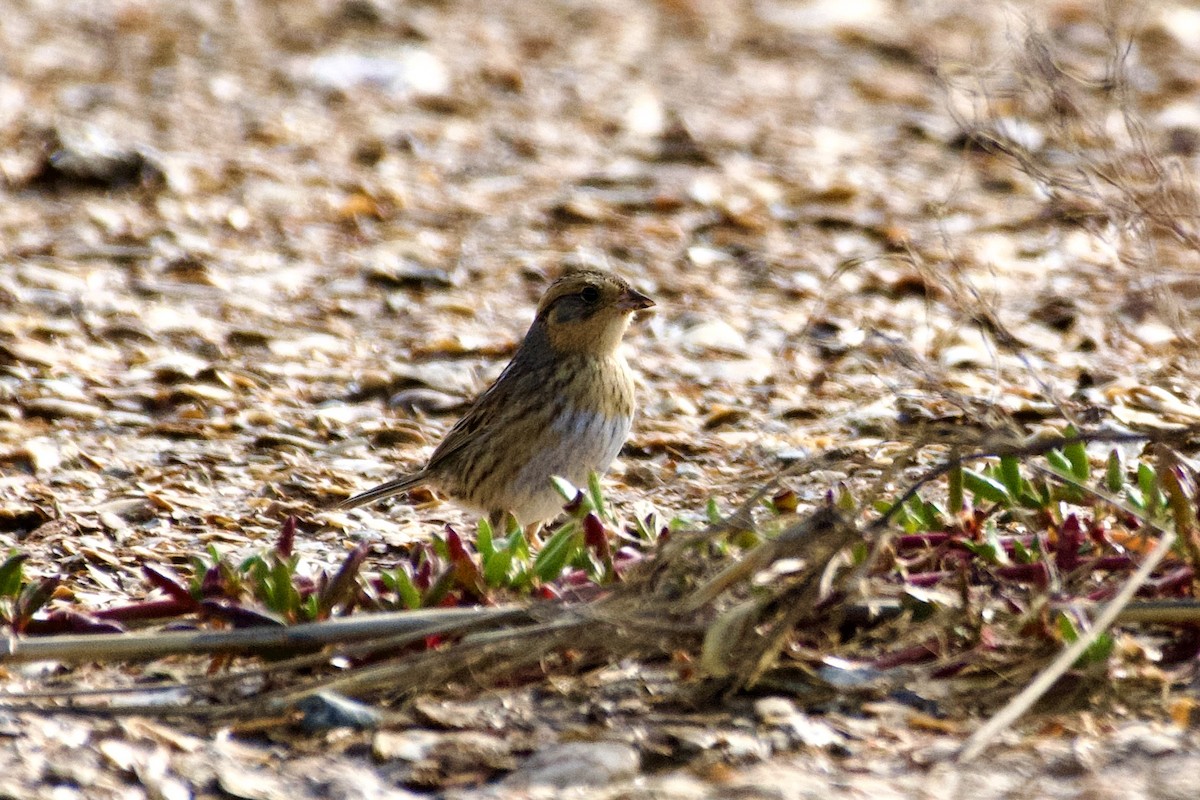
[780, 712]
[54, 408]
[402, 273]
[36, 456]
[577, 764]
[426, 401]
[790, 455]
[403, 73]
[93, 160]
[326, 710]
[713, 335]
[775, 710]
[410, 745]
[670, 405]
[1148, 741]
[941, 751]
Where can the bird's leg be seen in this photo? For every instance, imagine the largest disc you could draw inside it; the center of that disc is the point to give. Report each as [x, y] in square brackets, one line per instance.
[504, 523]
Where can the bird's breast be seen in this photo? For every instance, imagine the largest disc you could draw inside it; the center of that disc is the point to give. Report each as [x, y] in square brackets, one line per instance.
[589, 436]
[587, 409]
[578, 441]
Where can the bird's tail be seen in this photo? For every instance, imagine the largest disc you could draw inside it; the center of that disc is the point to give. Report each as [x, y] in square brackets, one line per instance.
[383, 490]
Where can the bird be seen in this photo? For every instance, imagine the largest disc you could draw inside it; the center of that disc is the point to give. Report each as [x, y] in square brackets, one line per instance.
[563, 406]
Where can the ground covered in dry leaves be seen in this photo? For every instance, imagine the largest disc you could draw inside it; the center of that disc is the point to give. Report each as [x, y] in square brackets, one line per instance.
[258, 255]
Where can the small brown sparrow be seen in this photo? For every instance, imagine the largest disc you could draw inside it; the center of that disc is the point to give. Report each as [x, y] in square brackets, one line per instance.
[563, 406]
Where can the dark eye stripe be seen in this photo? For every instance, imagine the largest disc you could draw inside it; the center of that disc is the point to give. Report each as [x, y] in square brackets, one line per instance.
[571, 309]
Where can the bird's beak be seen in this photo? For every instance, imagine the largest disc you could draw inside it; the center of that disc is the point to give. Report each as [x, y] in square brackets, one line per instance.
[633, 300]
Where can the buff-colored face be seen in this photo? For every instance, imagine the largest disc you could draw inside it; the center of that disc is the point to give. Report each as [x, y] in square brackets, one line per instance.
[588, 311]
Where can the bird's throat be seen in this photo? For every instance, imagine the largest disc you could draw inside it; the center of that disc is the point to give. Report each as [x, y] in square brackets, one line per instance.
[598, 336]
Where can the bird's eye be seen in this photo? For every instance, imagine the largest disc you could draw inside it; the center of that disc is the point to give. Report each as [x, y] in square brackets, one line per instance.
[590, 294]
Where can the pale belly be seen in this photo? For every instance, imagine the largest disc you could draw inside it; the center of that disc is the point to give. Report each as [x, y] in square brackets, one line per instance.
[586, 441]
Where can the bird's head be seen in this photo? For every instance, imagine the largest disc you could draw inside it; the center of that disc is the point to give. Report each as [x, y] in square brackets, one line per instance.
[587, 311]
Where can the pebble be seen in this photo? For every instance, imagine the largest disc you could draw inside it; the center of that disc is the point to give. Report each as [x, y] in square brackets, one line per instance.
[1147, 740]
[402, 73]
[713, 335]
[408, 745]
[782, 713]
[326, 710]
[54, 408]
[576, 764]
